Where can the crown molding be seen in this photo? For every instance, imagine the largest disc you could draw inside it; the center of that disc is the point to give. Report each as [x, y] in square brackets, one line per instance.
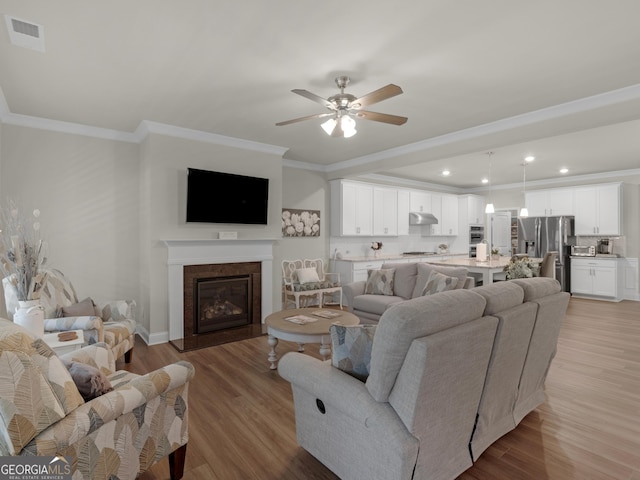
[314, 167]
[544, 114]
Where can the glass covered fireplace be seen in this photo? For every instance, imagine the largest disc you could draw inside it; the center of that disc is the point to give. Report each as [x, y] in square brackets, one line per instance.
[222, 302]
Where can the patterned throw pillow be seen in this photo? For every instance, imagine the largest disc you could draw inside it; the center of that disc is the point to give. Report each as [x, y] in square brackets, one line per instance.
[380, 282]
[351, 349]
[307, 275]
[437, 282]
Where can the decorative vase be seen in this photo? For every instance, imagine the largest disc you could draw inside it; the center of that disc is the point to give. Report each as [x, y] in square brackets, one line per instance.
[30, 315]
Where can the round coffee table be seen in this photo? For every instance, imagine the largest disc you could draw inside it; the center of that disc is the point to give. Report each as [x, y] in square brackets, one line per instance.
[278, 327]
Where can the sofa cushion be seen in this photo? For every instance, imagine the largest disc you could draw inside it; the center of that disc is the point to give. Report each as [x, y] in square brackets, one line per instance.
[375, 303]
[404, 280]
[412, 319]
[424, 269]
[500, 296]
[379, 282]
[351, 349]
[537, 287]
[438, 282]
[307, 275]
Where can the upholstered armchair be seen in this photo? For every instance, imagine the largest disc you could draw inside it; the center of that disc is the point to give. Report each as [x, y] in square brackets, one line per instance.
[118, 434]
[110, 322]
[306, 278]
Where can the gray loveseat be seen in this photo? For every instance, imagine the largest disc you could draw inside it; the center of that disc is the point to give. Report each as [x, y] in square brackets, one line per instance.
[449, 374]
[409, 279]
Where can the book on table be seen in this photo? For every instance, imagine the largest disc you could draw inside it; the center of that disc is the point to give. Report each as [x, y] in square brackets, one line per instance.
[301, 319]
[326, 313]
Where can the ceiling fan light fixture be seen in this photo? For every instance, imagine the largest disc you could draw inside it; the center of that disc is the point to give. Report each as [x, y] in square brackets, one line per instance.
[348, 126]
[329, 125]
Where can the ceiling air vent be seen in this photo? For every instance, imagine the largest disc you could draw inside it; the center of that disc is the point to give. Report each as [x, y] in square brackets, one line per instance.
[25, 34]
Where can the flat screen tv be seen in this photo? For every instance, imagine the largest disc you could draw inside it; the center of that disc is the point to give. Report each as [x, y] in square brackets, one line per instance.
[216, 197]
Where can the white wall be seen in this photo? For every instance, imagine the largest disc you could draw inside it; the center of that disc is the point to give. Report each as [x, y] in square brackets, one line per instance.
[87, 192]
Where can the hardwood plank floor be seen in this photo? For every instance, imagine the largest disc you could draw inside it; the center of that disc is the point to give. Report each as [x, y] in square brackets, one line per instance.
[242, 424]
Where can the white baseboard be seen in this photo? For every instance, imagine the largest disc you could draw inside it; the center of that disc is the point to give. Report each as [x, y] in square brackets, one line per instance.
[153, 339]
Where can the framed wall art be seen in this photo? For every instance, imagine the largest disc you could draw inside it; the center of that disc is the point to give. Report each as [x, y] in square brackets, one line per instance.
[300, 223]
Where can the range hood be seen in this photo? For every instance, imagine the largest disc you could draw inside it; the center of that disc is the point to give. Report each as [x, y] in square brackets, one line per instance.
[420, 218]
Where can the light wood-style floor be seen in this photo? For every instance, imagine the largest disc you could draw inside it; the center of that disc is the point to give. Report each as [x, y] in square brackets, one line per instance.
[242, 425]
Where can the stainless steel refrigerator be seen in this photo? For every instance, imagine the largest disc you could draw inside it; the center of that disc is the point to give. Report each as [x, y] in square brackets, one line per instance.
[539, 235]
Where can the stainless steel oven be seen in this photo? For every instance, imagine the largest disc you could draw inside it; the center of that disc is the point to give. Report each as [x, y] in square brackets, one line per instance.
[476, 235]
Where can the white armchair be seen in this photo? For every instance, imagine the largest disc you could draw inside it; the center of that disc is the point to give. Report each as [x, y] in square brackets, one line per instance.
[307, 278]
[111, 322]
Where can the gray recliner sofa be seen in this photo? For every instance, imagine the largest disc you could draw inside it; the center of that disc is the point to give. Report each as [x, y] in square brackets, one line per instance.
[449, 374]
[408, 282]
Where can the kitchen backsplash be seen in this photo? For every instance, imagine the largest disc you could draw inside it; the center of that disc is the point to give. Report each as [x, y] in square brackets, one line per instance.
[619, 243]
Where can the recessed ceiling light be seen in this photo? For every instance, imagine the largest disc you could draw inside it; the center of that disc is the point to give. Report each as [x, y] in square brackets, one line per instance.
[446, 173]
[564, 170]
[485, 180]
[530, 158]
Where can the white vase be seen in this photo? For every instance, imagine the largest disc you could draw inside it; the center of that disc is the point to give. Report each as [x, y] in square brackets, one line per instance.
[30, 315]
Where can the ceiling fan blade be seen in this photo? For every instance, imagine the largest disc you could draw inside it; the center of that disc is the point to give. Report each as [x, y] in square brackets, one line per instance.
[308, 117]
[312, 96]
[380, 117]
[376, 96]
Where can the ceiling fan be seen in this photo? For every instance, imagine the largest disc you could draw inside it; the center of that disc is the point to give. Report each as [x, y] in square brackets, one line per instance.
[344, 106]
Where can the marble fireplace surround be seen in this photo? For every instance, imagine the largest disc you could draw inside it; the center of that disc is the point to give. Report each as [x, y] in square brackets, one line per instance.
[203, 252]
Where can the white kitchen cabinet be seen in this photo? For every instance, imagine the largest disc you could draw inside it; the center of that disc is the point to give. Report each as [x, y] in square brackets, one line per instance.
[547, 203]
[449, 215]
[351, 208]
[595, 277]
[420, 201]
[597, 209]
[436, 210]
[355, 271]
[403, 212]
[471, 210]
[385, 211]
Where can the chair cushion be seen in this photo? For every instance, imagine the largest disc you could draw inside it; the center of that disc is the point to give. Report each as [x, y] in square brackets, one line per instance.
[404, 280]
[375, 303]
[424, 269]
[379, 282]
[117, 332]
[90, 381]
[307, 275]
[80, 309]
[306, 287]
[438, 282]
[351, 349]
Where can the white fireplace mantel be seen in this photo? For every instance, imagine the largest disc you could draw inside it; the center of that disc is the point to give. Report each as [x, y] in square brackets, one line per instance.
[203, 252]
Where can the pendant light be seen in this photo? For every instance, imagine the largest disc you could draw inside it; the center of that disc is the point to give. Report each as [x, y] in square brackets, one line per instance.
[524, 212]
[489, 208]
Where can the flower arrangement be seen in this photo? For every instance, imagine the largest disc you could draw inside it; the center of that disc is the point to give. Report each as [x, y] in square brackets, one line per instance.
[375, 246]
[22, 252]
[495, 251]
[522, 267]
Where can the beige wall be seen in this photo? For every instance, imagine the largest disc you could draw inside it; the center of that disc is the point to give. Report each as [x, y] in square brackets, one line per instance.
[87, 192]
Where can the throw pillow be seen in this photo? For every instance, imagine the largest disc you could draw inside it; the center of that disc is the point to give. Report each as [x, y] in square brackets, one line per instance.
[307, 275]
[351, 349]
[80, 309]
[437, 282]
[90, 381]
[380, 282]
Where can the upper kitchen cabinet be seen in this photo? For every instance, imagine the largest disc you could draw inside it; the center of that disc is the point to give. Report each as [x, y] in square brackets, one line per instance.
[597, 209]
[385, 211]
[420, 202]
[351, 208]
[445, 208]
[403, 212]
[471, 210]
[547, 203]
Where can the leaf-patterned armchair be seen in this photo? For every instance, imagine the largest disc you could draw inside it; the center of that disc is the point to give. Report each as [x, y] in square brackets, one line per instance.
[115, 436]
[110, 322]
[307, 278]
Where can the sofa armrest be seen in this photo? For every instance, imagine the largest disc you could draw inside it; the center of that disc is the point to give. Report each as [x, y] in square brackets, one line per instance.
[335, 388]
[98, 355]
[116, 310]
[352, 290]
[90, 416]
[469, 283]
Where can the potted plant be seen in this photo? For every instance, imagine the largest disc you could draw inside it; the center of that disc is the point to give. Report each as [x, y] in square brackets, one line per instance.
[495, 253]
